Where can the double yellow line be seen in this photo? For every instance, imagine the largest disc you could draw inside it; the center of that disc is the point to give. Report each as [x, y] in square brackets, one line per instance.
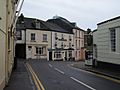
[36, 80]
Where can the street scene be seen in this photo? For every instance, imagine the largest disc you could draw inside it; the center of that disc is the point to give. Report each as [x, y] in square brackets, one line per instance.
[59, 75]
[59, 45]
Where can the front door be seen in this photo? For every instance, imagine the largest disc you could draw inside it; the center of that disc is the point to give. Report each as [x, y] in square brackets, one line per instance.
[50, 56]
[66, 55]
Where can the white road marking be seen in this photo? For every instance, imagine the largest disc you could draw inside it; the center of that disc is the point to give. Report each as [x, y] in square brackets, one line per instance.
[82, 83]
[59, 70]
[50, 65]
[78, 69]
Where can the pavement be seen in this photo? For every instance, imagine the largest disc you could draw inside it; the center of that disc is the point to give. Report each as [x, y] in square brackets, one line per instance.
[20, 78]
[106, 71]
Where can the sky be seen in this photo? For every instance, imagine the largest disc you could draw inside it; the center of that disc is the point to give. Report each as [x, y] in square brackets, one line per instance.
[86, 13]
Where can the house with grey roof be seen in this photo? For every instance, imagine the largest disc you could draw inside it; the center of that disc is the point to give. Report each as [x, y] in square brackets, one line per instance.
[78, 38]
[106, 41]
[37, 39]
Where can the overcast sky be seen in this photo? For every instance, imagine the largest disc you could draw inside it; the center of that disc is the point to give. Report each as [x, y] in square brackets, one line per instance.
[86, 13]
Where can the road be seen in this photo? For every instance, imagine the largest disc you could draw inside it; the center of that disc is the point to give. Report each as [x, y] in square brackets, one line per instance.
[59, 75]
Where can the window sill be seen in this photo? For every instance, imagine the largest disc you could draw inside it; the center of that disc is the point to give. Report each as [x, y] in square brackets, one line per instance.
[44, 41]
[40, 55]
[33, 41]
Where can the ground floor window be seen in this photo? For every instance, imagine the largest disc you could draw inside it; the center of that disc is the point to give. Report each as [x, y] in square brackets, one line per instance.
[70, 53]
[29, 48]
[113, 39]
[41, 50]
[76, 53]
[57, 54]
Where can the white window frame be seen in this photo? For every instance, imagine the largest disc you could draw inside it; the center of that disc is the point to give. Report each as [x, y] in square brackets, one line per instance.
[41, 50]
[57, 55]
[44, 37]
[33, 37]
[113, 40]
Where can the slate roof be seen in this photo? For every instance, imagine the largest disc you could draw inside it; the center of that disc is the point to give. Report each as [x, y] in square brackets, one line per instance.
[64, 23]
[29, 23]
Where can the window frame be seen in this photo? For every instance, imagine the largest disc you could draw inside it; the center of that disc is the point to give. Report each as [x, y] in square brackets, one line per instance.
[113, 40]
[32, 36]
[45, 38]
[41, 50]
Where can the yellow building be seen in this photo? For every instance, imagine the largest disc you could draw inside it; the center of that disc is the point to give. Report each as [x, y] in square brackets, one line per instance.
[7, 22]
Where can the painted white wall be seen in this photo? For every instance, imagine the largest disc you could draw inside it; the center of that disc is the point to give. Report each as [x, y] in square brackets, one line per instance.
[6, 55]
[78, 45]
[103, 42]
[38, 42]
[2, 42]
[65, 43]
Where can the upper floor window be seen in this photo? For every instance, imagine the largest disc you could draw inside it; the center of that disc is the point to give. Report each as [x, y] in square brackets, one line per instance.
[76, 43]
[56, 36]
[76, 33]
[82, 34]
[113, 39]
[55, 44]
[62, 36]
[79, 44]
[70, 45]
[79, 33]
[45, 37]
[82, 44]
[70, 38]
[32, 36]
[62, 45]
[19, 35]
[37, 24]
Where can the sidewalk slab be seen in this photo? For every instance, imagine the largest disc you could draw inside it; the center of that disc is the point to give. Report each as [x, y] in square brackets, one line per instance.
[113, 73]
[20, 79]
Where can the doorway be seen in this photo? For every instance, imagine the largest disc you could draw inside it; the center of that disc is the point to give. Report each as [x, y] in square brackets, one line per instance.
[20, 51]
[50, 56]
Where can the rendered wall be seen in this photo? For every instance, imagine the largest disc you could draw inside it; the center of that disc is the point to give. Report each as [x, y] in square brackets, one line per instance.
[104, 44]
[2, 42]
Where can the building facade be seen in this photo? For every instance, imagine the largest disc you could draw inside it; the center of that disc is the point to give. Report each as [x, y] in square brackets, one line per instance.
[7, 21]
[37, 43]
[78, 35]
[37, 39]
[65, 39]
[79, 44]
[62, 46]
[106, 41]
[3, 34]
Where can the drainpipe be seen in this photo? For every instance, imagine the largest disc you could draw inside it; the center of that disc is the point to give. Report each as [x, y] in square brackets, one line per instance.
[51, 45]
[6, 46]
[25, 43]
